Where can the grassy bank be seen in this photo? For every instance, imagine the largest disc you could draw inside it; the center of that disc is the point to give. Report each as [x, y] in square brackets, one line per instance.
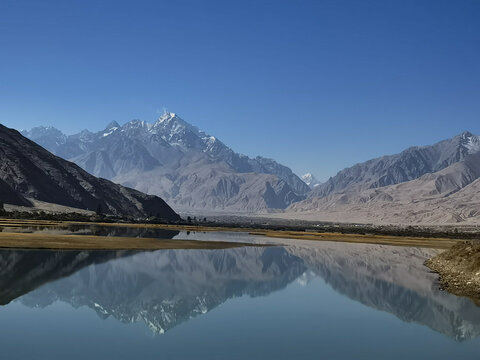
[86, 242]
[424, 242]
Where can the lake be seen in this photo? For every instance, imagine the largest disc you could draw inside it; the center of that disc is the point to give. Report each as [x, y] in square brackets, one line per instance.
[294, 300]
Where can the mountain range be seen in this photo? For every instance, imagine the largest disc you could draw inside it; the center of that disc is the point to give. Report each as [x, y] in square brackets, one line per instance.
[193, 170]
[173, 159]
[430, 184]
[29, 172]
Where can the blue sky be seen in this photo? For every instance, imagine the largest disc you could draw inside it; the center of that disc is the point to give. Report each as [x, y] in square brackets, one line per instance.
[317, 85]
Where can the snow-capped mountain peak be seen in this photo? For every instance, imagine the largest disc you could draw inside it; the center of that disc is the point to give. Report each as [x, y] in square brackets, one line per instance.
[310, 180]
[112, 125]
[192, 168]
[470, 142]
[177, 132]
[167, 116]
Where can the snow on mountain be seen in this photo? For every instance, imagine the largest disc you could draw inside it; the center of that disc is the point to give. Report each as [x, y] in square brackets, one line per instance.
[470, 142]
[310, 180]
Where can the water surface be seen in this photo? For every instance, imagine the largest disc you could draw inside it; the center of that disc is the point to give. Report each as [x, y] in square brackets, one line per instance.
[302, 300]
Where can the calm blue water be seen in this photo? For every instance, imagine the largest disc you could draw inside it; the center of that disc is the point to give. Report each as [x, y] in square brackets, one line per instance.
[320, 301]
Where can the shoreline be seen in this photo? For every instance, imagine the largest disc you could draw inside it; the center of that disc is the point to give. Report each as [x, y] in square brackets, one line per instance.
[254, 224]
[32, 241]
[13, 239]
[458, 266]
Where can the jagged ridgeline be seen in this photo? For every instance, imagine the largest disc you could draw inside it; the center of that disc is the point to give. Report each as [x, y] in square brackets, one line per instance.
[28, 171]
[182, 164]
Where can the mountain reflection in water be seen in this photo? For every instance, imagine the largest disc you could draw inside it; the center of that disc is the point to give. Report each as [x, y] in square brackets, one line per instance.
[168, 287]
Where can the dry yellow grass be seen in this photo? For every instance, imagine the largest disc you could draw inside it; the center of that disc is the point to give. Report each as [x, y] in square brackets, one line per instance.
[436, 243]
[86, 242]
[439, 243]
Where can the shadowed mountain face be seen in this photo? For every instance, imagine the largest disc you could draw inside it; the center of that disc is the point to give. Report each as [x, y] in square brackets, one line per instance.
[182, 164]
[28, 170]
[10, 196]
[165, 288]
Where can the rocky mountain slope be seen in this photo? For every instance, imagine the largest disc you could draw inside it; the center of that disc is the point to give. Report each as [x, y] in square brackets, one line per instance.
[431, 184]
[29, 171]
[427, 184]
[405, 166]
[175, 160]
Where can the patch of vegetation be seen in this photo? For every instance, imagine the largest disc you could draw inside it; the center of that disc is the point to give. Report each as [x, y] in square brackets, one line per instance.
[81, 217]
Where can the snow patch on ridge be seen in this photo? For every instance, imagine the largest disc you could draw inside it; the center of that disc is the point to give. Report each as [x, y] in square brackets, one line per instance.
[473, 145]
[110, 132]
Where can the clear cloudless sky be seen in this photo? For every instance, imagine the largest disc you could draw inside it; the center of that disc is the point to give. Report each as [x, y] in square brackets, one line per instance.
[317, 85]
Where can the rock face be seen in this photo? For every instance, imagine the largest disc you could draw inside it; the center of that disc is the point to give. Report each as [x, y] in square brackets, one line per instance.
[29, 171]
[433, 184]
[175, 160]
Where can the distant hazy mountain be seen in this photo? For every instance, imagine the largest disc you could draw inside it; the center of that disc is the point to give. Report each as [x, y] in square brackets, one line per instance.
[179, 162]
[429, 184]
[29, 171]
[310, 180]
